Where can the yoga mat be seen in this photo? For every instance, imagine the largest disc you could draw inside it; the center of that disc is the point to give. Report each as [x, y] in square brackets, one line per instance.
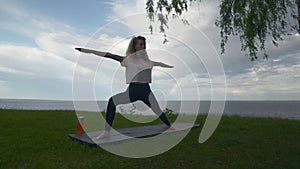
[125, 134]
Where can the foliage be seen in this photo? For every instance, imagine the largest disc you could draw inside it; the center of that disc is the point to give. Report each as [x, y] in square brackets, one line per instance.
[163, 10]
[168, 111]
[252, 20]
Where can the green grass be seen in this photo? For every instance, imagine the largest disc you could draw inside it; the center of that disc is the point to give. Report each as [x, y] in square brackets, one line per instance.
[38, 139]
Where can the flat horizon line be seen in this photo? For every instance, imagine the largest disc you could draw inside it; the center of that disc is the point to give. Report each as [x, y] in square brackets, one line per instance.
[33, 99]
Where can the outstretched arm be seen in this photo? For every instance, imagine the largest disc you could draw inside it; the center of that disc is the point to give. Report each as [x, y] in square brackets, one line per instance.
[103, 54]
[162, 65]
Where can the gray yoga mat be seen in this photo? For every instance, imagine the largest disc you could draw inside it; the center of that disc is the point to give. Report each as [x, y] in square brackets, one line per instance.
[130, 133]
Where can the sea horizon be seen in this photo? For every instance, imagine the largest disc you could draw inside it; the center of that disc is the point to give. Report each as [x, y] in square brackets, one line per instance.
[36, 99]
[286, 109]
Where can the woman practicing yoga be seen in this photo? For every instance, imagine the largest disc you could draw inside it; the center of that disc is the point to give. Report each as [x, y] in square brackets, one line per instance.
[138, 76]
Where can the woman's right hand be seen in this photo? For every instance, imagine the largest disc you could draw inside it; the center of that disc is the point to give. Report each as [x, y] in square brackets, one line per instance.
[79, 49]
[83, 50]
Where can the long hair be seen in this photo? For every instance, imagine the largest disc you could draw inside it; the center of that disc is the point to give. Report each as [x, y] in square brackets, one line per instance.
[131, 46]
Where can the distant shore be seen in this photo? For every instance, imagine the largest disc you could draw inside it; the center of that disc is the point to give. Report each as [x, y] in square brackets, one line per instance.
[260, 108]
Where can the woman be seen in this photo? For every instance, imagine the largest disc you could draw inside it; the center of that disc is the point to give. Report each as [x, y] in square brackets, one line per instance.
[138, 76]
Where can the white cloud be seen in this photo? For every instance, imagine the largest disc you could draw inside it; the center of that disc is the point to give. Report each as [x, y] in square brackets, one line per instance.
[60, 43]
[24, 60]
[263, 81]
[52, 60]
[191, 49]
[121, 8]
[14, 71]
[245, 79]
[26, 22]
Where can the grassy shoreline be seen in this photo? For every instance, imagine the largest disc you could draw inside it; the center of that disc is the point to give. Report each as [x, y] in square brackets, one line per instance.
[38, 139]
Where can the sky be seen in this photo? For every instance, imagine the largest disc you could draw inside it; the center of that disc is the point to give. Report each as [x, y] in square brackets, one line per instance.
[38, 60]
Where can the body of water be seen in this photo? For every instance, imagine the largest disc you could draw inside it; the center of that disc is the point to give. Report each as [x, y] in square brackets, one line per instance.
[279, 109]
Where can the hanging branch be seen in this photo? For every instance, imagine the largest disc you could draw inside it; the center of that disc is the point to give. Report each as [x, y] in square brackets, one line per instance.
[252, 20]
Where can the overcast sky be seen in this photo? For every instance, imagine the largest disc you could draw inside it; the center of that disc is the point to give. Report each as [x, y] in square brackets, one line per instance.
[38, 60]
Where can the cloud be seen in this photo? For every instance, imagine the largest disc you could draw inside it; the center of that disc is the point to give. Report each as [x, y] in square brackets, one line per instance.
[14, 71]
[29, 61]
[244, 78]
[193, 50]
[24, 21]
[52, 60]
[265, 80]
[49, 34]
[121, 8]
[60, 43]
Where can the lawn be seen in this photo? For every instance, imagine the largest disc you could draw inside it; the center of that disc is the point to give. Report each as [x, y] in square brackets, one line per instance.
[38, 139]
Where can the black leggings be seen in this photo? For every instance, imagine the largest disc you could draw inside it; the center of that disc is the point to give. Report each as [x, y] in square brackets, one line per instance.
[135, 92]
